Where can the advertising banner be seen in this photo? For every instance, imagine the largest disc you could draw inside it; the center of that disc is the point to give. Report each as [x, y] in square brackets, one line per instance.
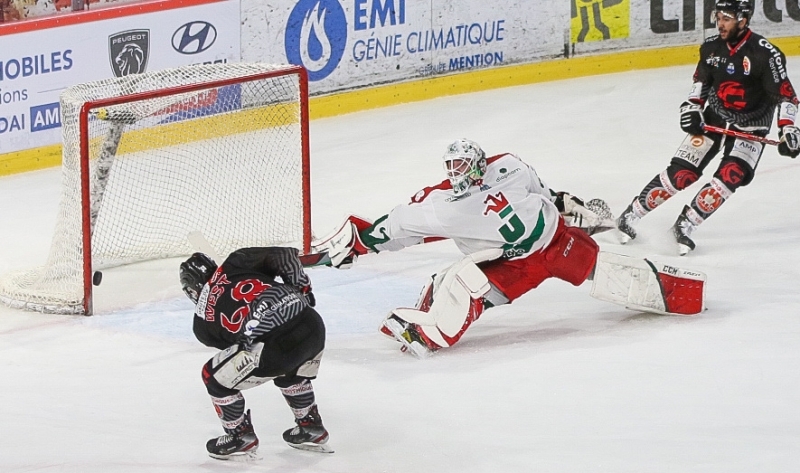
[36, 66]
[353, 43]
[347, 44]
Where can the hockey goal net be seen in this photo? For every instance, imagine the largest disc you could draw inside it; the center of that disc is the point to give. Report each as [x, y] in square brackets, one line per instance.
[219, 149]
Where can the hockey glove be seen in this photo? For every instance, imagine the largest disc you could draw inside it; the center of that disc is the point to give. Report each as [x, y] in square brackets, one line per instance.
[692, 118]
[344, 245]
[565, 203]
[306, 290]
[790, 141]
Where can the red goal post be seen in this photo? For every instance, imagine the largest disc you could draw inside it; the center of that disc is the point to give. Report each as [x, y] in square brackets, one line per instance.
[222, 149]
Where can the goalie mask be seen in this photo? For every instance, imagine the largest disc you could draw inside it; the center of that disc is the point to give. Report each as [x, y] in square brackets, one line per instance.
[464, 163]
[195, 273]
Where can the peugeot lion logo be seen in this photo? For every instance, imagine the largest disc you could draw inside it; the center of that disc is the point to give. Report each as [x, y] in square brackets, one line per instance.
[194, 37]
[128, 51]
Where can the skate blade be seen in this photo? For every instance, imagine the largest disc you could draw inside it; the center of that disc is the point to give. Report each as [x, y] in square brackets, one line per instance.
[683, 250]
[312, 447]
[623, 237]
[415, 348]
[244, 457]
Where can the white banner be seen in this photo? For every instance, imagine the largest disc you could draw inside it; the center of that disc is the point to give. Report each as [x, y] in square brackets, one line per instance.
[36, 66]
[348, 44]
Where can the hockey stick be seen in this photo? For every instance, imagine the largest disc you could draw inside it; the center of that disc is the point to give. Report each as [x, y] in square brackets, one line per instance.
[201, 244]
[740, 134]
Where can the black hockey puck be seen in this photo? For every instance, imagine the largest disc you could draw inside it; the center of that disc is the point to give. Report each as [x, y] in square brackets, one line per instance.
[97, 278]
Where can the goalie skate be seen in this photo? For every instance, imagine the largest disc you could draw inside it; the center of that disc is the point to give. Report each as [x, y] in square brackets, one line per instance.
[413, 340]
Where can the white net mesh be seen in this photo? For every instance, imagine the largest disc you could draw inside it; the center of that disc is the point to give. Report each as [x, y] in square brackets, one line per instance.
[225, 160]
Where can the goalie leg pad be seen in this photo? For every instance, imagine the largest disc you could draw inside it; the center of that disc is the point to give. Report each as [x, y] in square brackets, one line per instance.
[649, 286]
[448, 305]
[453, 293]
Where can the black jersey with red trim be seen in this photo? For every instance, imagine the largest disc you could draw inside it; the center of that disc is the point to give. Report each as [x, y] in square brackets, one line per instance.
[245, 300]
[743, 83]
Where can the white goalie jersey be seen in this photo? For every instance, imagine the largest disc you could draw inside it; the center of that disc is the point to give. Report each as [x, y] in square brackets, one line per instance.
[510, 209]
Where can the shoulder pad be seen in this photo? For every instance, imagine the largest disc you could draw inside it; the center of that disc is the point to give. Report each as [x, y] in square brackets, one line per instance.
[711, 39]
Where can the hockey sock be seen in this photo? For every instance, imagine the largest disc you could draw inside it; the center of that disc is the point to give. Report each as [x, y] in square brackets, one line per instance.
[708, 200]
[230, 410]
[300, 398]
[655, 193]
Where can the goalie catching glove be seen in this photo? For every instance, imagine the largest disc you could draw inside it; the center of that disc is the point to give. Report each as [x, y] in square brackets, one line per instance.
[592, 217]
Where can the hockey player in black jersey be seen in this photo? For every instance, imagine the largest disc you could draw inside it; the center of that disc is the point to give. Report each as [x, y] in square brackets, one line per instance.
[739, 82]
[257, 309]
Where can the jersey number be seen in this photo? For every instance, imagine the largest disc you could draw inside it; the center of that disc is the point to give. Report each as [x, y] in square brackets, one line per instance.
[244, 291]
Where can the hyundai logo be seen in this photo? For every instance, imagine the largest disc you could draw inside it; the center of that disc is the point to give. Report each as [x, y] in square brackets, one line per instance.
[194, 37]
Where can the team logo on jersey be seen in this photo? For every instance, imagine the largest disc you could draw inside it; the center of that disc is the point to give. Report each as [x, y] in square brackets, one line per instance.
[129, 51]
[731, 69]
[746, 65]
[708, 200]
[732, 95]
[513, 229]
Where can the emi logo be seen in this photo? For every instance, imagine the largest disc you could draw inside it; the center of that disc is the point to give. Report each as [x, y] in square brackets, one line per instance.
[128, 52]
[194, 37]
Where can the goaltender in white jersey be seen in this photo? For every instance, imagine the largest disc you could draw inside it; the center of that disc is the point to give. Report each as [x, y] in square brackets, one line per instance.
[515, 232]
[509, 207]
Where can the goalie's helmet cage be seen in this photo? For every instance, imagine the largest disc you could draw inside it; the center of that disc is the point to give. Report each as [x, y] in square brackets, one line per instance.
[464, 163]
[149, 158]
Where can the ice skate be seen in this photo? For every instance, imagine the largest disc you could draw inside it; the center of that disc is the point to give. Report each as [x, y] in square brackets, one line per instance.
[239, 445]
[413, 339]
[309, 434]
[682, 230]
[625, 224]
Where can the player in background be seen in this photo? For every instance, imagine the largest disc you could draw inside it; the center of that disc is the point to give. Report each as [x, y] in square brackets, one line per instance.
[503, 217]
[257, 309]
[739, 82]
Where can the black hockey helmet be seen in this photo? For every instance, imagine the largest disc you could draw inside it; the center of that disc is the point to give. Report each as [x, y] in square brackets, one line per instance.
[742, 9]
[195, 272]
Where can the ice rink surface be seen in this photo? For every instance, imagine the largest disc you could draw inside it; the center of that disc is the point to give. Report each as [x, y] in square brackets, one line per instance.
[555, 382]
